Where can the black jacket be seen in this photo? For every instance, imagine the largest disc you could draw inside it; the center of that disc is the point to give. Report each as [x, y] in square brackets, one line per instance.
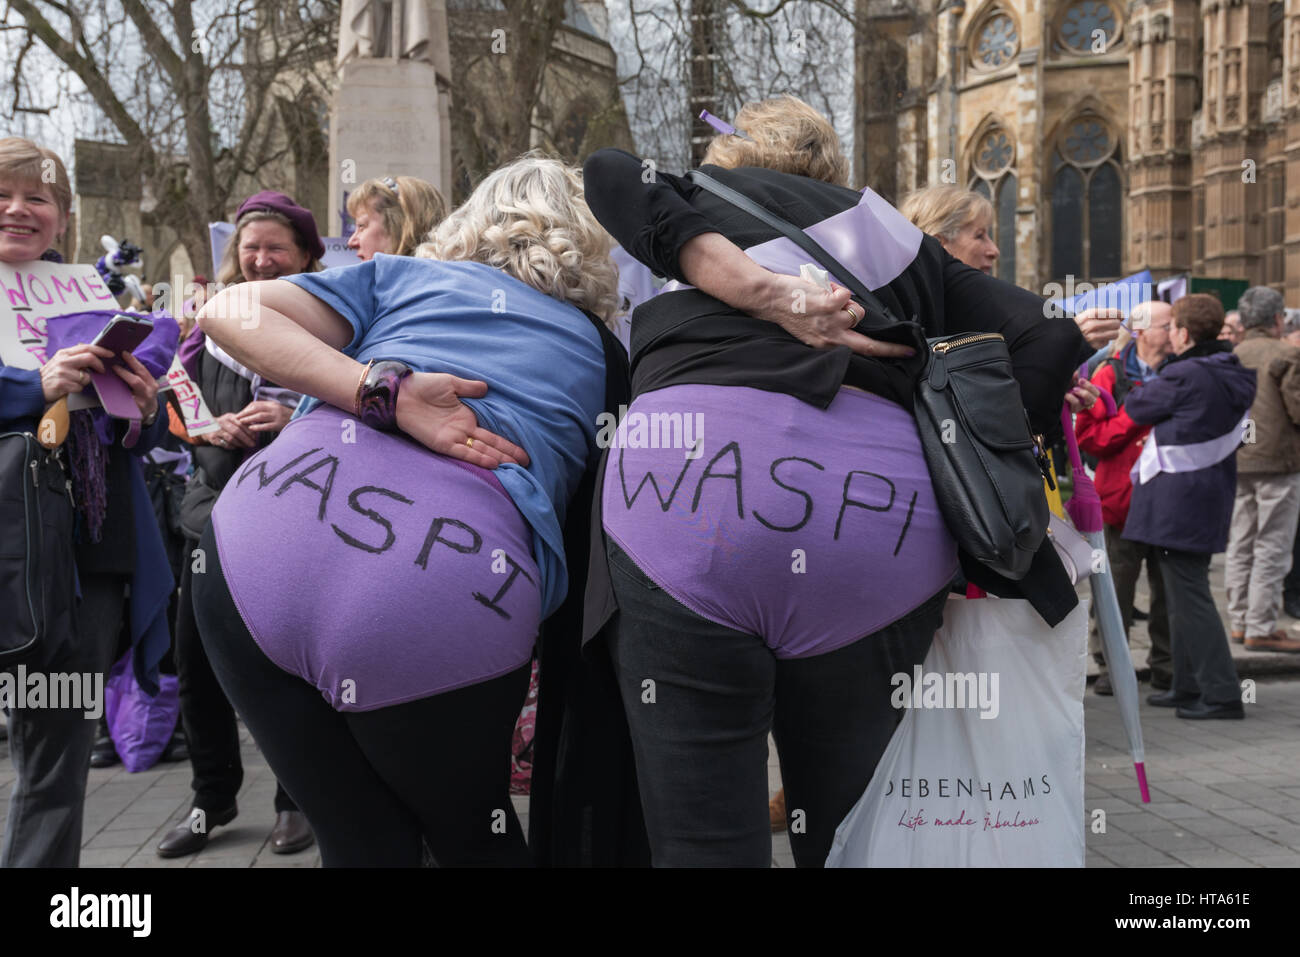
[584, 807]
[225, 391]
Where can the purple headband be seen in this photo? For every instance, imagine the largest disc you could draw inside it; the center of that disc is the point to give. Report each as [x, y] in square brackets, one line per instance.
[722, 126]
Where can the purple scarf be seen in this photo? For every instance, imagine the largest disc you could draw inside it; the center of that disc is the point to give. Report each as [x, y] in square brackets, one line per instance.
[91, 430]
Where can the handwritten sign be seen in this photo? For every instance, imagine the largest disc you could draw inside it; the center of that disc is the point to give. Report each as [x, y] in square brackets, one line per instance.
[198, 420]
[31, 293]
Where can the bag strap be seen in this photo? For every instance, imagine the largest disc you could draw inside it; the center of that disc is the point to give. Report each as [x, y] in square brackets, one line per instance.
[796, 236]
[1122, 385]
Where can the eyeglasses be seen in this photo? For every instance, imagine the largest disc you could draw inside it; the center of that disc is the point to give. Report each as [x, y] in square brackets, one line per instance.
[390, 183]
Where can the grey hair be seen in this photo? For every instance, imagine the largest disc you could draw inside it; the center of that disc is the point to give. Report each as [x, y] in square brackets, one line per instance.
[1291, 322]
[1259, 306]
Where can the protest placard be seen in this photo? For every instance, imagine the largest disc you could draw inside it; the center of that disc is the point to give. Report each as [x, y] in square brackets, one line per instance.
[198, 420]
[31, 293]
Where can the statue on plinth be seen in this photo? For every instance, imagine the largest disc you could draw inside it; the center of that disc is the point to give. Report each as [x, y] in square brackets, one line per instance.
[394, 30]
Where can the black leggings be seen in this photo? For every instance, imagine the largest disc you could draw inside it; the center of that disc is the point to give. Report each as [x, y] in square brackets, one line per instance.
[700, 699]
[373, 784]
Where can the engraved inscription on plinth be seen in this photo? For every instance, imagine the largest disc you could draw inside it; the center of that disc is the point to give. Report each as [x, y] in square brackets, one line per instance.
[390, 118]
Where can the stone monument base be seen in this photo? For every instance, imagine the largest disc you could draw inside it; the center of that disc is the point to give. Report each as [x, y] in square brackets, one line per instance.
[389, 118]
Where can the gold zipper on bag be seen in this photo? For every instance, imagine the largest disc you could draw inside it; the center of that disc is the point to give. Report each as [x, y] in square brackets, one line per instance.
[942, 347]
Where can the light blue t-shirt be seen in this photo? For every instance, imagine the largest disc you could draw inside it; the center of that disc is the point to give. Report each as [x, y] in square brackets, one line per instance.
[542, 360]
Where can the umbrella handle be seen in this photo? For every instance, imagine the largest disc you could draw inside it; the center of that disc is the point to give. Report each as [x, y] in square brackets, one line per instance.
[1071, 443]
[54, 424]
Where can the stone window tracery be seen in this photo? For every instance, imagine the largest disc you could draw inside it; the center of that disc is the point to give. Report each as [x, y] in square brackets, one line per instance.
[1087, 27]
[1086, 194]
[996, 42]
[994, 178]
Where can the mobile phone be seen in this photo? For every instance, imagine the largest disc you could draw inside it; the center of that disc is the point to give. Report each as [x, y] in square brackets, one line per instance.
[122, 334]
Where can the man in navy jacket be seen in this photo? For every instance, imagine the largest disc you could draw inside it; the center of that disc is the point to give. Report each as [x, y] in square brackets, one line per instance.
[1183, 488]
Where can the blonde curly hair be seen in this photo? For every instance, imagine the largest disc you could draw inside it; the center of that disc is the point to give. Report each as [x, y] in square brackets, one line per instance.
[785, 134]
[530, 220]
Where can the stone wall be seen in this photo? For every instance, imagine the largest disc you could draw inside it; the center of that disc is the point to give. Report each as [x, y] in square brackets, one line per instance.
[1201, 96]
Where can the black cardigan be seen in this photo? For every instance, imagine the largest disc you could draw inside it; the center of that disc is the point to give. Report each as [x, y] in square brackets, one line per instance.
[654, 220]
[652, 214]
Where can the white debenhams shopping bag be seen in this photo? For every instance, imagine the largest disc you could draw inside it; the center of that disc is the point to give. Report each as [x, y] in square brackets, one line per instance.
[986, 769]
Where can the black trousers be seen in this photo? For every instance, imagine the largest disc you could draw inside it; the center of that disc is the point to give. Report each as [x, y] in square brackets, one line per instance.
[377, 785]
[700, 700]
[208, 718]
[50, 747]
[1202, 660]
[1291, 584]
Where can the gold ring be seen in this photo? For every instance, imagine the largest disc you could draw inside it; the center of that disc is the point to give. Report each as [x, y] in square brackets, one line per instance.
[469, 442]
[848, 307]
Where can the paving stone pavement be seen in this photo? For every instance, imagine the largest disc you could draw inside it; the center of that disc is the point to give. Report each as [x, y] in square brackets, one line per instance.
[1223, 793]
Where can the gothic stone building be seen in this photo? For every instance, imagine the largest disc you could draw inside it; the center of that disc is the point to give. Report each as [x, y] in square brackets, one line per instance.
[1110, 136]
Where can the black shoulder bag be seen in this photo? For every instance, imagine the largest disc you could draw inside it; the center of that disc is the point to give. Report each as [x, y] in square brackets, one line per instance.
[36, 562]
[985, 465]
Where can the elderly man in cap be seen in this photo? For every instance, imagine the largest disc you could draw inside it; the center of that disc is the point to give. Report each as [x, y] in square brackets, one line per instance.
[1268, 478]
[1116, 442]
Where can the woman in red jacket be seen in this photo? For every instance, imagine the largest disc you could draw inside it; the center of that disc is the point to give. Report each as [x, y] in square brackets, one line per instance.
[1116, 442]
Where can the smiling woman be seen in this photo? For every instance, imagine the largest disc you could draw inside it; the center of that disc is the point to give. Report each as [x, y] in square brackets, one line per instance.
[34, 200]
[274, 237]
[51, 745]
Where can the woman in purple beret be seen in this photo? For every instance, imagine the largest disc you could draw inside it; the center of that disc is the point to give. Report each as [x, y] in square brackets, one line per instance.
[274, 237]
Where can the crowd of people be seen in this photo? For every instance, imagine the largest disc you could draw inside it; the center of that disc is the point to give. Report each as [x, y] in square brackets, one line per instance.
[404, 503]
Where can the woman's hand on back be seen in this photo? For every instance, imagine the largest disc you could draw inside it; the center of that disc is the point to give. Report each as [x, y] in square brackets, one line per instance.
[816, 317]
[430, 411]
[821, 318]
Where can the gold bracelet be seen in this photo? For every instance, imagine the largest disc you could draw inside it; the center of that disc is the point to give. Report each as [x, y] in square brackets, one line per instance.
[356, 400]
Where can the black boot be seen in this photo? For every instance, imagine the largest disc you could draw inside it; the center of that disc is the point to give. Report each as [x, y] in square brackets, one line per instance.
[104, 753]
